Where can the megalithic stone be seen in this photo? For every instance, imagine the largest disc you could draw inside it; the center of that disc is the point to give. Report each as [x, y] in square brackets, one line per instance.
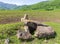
[44, 31]
[26, 16]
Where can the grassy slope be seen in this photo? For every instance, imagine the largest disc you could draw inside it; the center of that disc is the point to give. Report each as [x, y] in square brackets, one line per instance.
[49, 16]
[14, 40]
[45, 5]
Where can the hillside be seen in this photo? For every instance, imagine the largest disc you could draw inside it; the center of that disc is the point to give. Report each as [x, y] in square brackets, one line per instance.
[9, 31]
[6, 6]
[45, 5]
[12, 18]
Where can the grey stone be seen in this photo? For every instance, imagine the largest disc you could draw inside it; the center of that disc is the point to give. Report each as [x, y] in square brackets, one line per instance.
[24, 35]
[44, 31]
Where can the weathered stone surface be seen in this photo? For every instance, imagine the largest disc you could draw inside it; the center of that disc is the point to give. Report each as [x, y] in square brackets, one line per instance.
[24, 35]
[26, 28]
[25, 18]
[44, 31]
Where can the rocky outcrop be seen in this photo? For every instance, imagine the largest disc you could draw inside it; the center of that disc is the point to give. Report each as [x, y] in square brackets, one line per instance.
[34, 27]
[44, 31]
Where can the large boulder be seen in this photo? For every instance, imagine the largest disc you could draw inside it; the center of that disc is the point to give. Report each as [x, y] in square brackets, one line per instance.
[44, 31]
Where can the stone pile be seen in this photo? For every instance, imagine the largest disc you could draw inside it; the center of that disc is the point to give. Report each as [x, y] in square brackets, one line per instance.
[35, 28]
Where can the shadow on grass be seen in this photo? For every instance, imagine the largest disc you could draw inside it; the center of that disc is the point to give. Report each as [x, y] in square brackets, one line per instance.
[27, 40]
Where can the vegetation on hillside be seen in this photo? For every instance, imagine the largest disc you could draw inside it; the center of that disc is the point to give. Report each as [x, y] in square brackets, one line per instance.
[45, 5]
[10, 21]
[6, 6]
[9, 31]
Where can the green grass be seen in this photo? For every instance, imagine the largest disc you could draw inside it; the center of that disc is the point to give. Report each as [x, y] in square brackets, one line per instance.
[14, 40]
[14, 16]
[53, 18]
[56, 27]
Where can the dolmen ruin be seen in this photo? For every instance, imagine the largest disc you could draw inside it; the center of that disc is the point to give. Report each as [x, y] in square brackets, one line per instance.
[36, 29]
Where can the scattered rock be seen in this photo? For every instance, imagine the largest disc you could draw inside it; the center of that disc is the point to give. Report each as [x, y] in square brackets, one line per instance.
[46, 41]
[41, 30]
[6, 41]
[24, 35]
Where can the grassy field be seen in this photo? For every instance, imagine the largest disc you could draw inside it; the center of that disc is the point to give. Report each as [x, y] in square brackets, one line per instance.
[12, 18]
[13, 27]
